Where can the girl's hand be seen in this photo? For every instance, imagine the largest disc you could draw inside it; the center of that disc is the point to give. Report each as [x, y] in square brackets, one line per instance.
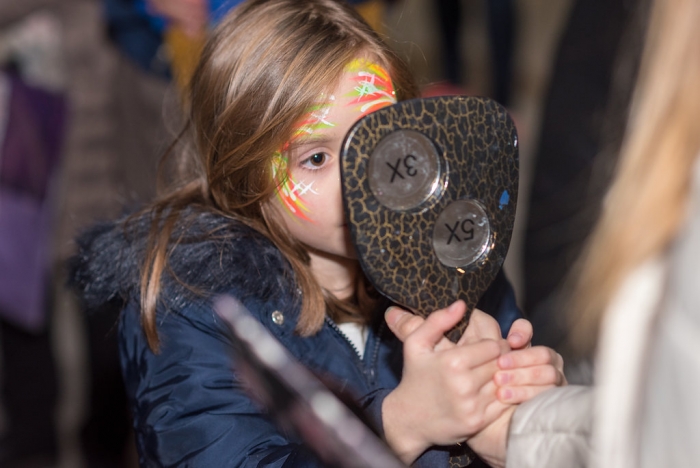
[447, 392]
[527, 371]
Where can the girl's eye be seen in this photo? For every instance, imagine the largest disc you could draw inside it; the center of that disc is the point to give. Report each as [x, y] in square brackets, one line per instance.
[316, 160]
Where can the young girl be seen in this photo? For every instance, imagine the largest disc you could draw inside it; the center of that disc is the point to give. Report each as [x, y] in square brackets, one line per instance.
[258, 215]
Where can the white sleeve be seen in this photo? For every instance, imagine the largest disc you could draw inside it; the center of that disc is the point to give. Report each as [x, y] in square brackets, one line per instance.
[552, 430]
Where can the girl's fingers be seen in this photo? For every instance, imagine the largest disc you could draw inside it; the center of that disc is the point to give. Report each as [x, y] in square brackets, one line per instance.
[535, 375]
[520, 334]
[481, 326]
[428, 332]
[528, 357]
[478, 358]
[431, 330]
[401, 322]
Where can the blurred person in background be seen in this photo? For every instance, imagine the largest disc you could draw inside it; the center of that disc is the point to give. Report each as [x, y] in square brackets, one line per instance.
[501, 17]
[637, 296]
[637, 290]
[131, 101]
[184, 23]
[583, 121]
[32, 130]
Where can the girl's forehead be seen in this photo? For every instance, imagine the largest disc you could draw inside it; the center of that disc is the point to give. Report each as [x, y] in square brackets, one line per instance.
[363, 87]
[366, 85]
[364, 65]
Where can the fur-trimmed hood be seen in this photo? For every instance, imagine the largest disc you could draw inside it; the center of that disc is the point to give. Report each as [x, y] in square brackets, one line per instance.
[215, 254]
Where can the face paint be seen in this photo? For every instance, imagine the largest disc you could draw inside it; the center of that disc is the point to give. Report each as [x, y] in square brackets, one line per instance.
[288, 191]
[365, 87]
[373, 89]
[315, 120]
[306, 169]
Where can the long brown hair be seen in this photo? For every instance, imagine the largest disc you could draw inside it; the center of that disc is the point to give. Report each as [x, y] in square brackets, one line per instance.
[260, 71]
[646, 204]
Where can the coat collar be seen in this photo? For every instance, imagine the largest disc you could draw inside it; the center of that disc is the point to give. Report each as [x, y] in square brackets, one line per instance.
[215, 254]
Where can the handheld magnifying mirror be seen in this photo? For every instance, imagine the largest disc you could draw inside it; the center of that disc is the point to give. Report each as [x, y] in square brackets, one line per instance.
[430, 189]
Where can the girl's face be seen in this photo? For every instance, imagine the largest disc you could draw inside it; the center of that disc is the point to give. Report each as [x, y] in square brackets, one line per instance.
[308, 176]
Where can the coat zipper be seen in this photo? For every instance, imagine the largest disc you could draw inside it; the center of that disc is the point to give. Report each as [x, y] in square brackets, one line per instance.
[337, 329]
[368, 370]
[377, 343]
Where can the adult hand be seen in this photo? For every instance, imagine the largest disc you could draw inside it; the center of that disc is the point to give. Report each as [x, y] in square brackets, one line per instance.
[446, 393]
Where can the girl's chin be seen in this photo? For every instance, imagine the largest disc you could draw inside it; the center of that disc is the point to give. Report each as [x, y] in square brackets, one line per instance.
[347, 252]
[349, 246]
[351, 254]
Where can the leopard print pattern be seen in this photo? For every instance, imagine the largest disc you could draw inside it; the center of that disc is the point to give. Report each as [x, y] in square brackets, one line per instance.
[477, 142]
[460, 456]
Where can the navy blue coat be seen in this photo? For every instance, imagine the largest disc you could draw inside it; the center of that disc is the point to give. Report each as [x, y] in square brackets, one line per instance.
[189, 408]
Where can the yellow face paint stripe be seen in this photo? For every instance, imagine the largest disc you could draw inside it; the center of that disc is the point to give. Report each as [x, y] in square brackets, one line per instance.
[286, 188]
[374, 88]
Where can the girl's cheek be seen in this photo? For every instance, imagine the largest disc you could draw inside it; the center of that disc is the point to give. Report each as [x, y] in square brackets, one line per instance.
[294, 197]
[309, 188]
